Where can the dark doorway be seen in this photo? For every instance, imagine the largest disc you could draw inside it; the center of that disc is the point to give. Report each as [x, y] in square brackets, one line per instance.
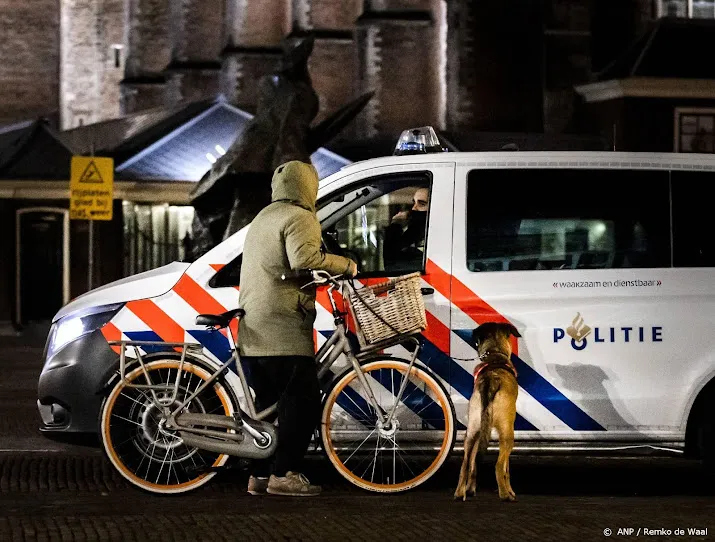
[41, 263]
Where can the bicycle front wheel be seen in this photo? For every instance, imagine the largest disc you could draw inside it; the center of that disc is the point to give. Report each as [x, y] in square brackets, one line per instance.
[392, 457]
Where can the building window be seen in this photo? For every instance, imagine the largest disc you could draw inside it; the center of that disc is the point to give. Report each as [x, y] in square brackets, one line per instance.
[695, 130]
[696, 9]
[532, 219]
[155, 235]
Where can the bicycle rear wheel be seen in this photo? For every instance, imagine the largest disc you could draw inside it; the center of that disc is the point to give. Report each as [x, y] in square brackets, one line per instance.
[136, 442]
[392, 458]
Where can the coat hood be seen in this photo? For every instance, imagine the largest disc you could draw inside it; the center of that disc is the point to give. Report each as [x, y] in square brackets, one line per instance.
[296, 182]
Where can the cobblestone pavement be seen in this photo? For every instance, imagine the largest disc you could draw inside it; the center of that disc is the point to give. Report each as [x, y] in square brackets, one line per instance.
[51, 491]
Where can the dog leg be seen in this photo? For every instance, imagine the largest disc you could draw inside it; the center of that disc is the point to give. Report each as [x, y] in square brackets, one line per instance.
[461, 492]
[505, 427]
[472, 487]
[470, 444]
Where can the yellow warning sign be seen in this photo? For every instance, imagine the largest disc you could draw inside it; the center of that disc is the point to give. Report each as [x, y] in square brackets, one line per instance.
[91, 188]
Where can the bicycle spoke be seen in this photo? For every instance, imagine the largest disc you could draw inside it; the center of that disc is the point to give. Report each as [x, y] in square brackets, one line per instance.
[394, 460]
[134, 437]
[163, 462]
[153, 449]
[126, 419]
[131, 398]
[172, 466]
[359, 445]
[188, 387]
[403, 454]
[374, 463]
[367, 415]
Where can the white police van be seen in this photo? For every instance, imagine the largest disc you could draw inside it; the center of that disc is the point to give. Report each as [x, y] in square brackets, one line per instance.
[602, 260]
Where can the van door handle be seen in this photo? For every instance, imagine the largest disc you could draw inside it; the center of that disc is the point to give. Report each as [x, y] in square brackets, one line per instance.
[427, 291]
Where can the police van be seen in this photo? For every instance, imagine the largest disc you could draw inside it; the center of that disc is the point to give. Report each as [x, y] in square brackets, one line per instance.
[602, 260]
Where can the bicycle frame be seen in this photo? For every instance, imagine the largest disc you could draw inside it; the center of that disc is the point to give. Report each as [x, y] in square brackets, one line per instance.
[337, 345]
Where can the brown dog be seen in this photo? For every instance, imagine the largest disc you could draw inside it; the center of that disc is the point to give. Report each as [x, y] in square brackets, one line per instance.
[492, 405]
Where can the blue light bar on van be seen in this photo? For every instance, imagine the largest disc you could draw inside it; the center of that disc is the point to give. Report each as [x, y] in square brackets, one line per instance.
[421, 140]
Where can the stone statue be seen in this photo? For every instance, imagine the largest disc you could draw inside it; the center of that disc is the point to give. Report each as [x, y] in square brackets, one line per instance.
[238, 185]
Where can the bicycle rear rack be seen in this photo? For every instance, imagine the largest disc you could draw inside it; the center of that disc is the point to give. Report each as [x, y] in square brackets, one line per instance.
[153, 388]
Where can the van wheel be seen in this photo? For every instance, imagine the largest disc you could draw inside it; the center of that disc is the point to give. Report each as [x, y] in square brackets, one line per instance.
[706, 439]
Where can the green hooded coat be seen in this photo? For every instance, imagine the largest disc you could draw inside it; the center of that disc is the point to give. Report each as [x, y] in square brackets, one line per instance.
[284, 236]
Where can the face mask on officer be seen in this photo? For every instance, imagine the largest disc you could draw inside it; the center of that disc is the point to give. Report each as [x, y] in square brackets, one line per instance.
[418, 214]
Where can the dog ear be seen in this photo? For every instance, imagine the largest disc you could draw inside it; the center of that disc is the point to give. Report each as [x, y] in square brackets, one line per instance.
[477, 335]
[511, 329]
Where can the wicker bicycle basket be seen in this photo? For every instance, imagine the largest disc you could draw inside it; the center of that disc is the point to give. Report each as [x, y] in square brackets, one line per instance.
[388, 310]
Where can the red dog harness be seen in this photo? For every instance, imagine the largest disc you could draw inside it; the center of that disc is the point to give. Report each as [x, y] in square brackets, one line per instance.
[495, 365]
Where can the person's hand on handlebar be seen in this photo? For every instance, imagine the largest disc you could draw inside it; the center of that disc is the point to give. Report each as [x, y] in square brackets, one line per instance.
[352, 269]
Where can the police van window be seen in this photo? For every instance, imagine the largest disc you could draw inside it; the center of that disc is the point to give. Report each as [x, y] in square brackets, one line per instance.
[380, 223]
[693, 245]
[228, 275]
[537, 219]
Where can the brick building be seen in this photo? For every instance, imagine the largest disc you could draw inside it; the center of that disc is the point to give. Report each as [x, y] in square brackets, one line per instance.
[463, 66]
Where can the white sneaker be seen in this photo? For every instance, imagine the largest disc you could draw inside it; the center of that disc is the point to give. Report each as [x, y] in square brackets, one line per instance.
[293, 484]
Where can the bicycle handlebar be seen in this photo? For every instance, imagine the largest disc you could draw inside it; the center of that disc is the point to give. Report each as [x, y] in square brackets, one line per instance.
[298, 274]
[315, 276]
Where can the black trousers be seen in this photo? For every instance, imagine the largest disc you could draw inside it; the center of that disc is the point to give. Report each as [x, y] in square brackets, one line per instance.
[292, 381]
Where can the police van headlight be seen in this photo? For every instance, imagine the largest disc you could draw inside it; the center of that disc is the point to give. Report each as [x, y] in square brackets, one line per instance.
[75, 325]
[421, 140]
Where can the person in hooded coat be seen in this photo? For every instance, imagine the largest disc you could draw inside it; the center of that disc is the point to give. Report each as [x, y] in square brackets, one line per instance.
[276, 334]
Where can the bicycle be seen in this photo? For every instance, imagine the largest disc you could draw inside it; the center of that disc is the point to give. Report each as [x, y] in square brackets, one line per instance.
[172, 419]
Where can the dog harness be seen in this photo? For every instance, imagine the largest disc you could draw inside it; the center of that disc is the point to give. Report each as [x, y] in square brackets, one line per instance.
[494, 365]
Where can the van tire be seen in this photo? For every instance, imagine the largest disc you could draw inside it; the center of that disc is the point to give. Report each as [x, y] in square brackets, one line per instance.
[706, 440]
[700, 433]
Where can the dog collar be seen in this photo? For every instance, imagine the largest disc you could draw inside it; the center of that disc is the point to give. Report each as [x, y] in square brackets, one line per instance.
[479, 368]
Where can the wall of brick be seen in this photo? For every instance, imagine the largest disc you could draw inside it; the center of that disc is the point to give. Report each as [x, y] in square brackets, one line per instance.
[93, 49]
[460, 72]
[193, 84]
[152, 28]
[501, 73]
[113, 33]
[150, 40]
[29, 58]
[202, 30]
[331, 15]
[80, 58]
[198, 38]
[146, 95]
[389, 5]
[333, 70]
[255, 24]
[400, 62]
[241, 73]
[567, 59]
[495, 64]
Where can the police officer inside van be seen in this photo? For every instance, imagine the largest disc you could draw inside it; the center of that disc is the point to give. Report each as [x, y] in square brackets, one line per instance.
[405, 236]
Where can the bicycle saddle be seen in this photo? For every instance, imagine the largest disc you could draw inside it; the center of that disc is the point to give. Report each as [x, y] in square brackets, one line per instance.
[219, 320]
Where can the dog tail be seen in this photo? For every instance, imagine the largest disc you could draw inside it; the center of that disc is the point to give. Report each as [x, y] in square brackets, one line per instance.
[488, 388]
